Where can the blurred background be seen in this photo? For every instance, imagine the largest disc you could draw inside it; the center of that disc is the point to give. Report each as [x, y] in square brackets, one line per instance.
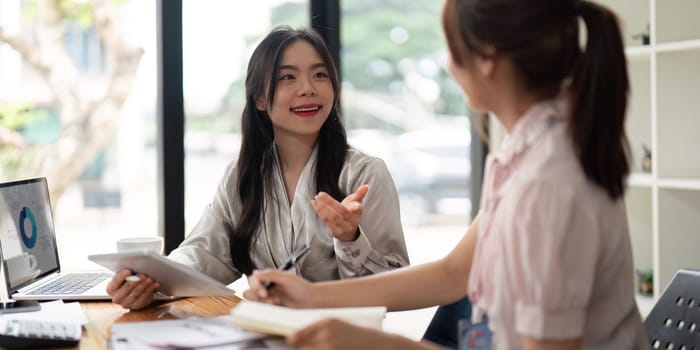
[78, 93]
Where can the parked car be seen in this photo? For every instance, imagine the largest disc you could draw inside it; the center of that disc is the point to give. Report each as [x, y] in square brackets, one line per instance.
[431, 169]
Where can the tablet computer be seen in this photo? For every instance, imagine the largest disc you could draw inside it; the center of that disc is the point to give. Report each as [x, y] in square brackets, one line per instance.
[175, 279]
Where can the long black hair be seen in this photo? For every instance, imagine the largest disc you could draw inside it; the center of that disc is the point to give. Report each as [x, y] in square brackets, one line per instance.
[542, 39]
[256, 158]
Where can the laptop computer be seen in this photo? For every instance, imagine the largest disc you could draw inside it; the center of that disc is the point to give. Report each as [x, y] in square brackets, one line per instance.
[30, 260]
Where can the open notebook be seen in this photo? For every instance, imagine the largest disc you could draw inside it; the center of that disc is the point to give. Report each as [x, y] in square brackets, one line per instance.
[279, 320]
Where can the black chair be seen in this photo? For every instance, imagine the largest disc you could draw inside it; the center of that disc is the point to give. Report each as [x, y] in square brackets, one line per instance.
[442, 329]
[674, 321]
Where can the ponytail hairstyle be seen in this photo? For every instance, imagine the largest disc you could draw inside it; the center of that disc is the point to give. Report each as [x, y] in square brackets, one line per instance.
[256, 158]
[599, 90]
[542, 39]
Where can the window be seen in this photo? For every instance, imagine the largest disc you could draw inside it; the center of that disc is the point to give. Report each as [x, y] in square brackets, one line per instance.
[80, 110]
[218, 38]
[401, 104]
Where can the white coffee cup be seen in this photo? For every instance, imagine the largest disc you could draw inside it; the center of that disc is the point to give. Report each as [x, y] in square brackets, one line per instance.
[21, 265]
[152, 243]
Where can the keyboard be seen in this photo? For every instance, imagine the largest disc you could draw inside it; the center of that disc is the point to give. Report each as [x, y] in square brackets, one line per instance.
[71, 284]
[29, 334]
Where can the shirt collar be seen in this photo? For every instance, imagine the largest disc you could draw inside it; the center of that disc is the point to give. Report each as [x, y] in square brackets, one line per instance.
[529, 127]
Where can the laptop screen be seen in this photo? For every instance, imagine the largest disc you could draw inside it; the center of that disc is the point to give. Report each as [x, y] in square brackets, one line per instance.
[27, 237]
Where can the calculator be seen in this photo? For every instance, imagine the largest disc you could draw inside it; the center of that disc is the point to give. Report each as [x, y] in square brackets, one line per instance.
[31, 334]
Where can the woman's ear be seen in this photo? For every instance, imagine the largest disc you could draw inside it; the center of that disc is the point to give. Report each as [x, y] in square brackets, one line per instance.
[486, 64]
[261, 105]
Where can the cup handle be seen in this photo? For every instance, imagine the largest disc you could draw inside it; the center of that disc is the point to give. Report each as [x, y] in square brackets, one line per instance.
[33, 263]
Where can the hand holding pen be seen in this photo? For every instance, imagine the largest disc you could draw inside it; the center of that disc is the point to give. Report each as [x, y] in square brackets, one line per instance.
[289, 289]
[296, 255]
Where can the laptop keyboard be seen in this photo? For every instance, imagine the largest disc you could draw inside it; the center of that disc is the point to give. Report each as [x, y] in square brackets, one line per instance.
[71, 284]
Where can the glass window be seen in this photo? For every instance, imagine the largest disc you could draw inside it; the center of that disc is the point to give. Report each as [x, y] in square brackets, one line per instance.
[77, 105]
[400, 104]
[218, 38]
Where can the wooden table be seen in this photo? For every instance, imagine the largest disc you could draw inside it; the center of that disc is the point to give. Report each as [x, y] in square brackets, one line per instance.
[101, 315]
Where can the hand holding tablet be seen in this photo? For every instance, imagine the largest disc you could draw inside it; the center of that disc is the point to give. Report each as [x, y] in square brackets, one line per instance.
[175, 279]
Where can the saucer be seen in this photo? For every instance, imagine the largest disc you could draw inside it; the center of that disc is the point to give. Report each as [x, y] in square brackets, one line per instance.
[28, 277]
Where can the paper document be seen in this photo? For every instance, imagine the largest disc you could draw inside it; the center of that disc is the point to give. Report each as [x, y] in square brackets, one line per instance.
[188, 333]
[53, 311]
[278, 320]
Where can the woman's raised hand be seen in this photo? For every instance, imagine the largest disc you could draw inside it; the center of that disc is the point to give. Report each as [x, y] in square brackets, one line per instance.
[342, 218]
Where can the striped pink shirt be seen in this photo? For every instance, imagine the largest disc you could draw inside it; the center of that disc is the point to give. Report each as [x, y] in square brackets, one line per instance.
[553, 259]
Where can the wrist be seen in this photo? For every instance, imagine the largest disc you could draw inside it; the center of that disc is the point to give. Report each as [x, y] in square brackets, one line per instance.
[322, 299]
[351, 237]
[395, 341]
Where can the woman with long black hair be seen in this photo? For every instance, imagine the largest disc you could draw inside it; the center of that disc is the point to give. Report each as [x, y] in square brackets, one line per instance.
[296, 182]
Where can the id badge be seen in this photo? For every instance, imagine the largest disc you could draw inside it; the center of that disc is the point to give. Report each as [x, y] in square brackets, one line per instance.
[474, 336]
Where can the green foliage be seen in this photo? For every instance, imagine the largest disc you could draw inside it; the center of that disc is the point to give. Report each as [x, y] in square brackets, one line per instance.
[292, 13]
[78, 12]
[213, 122]
[72, 11]
[371, 60]
[231, 105]
[16, 115]
[366, 29]
[18, 163]
[645, 276]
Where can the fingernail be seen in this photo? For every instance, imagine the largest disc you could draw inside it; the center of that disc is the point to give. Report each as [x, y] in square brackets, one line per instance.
[132, 278]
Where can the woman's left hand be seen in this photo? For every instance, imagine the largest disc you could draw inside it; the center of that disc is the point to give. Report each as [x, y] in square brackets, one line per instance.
[342, 218]
[335, 334]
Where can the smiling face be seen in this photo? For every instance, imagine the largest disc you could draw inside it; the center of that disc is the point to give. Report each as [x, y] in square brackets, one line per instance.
[303, 96]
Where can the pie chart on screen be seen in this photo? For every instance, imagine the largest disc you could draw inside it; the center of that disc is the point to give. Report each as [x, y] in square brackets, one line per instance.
[29, 240]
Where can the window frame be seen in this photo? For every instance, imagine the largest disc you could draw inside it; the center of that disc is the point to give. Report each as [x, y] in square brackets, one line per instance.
[325, 19]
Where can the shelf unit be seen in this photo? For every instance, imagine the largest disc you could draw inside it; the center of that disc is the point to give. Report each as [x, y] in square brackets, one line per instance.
[664, 114]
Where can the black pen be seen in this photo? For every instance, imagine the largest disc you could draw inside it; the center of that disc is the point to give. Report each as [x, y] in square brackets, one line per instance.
[290, 263]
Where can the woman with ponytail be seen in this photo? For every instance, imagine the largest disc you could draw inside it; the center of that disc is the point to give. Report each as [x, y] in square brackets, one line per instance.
[548, 263]
[296, 182]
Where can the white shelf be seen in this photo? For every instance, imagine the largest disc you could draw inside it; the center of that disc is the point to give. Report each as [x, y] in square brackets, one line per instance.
[640, 180]
[645, 303]
[677, 46]
[634, 18]
[638, 123]
[677, 86]
[675, 20]
[644, 180]
[639, 218]
[643, 51]
[678, 234]
[663, 206]
[680, 184]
